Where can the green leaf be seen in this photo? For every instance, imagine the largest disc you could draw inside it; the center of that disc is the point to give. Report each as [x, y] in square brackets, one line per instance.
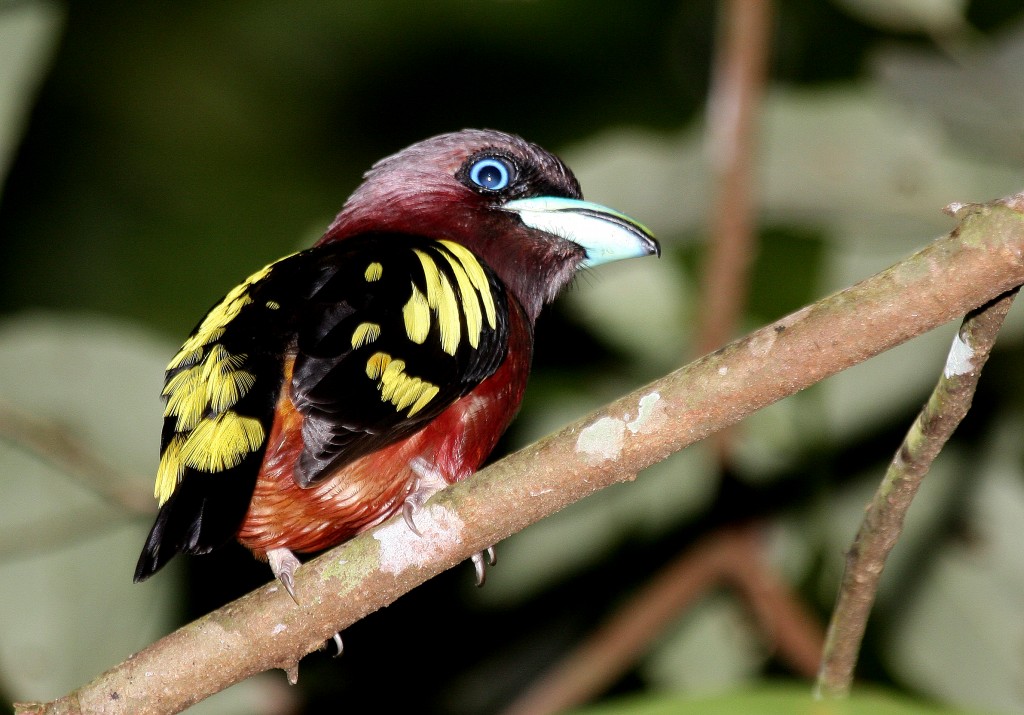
[933, 16]
[977, 98]
[771, 699]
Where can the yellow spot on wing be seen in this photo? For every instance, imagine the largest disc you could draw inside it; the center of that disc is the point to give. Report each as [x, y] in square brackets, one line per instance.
[425, 397]
[365, 333]
[187, 355]
[213, 385]
[376, 365]
[186, 398]
[373, 272]
[225, 385]
[430, 274]
[417, 316]
[448, 317]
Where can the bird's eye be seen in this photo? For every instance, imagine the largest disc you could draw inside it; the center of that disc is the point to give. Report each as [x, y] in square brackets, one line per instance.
[491, 173]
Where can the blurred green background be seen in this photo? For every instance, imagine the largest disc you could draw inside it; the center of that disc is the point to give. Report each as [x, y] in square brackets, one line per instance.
[154, 153]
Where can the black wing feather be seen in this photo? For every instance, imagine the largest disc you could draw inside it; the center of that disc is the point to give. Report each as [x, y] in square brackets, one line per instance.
[345, 413]
[311, 305]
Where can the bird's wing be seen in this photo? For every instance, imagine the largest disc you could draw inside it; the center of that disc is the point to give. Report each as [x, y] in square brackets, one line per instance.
[400, 330]
[220, 392]
[384, 331]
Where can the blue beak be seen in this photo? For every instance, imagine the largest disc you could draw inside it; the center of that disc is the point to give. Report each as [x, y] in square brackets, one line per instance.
[605, 234]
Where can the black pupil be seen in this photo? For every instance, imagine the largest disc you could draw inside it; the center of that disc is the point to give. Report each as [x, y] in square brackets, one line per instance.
[490, 176]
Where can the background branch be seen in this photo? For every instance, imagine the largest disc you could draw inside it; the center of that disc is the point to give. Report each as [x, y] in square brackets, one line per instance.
[57, 445]
[732, 556]
[981, 259]
[737, 86]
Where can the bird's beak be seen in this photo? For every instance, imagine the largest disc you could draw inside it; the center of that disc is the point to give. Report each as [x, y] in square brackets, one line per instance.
[605, 234]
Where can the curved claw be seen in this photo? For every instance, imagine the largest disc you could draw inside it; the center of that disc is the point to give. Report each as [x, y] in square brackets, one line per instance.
[283, 563]
[337, 641]
[408, 509]
[481, 560]
[429, 481]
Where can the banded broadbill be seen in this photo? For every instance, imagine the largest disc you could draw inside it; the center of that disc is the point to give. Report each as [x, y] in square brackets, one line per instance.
[342, 384]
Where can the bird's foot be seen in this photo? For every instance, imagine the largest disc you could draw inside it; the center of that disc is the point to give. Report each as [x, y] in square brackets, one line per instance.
[481, 560]
[283, 563]
[429, 481]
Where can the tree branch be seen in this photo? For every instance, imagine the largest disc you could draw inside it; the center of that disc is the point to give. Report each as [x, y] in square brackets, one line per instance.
[981, 259]
[883, 521]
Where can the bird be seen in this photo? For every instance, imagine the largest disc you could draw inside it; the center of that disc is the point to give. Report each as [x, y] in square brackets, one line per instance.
[345, 383]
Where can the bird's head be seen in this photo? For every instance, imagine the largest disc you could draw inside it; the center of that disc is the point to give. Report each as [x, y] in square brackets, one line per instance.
[512, 203]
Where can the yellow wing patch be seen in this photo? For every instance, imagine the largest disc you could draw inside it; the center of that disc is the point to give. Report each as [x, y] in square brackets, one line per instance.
[397, 387]
[214, 384]
[217, 319]
[216, 444]
[471, 306]
[442, 301]
[477, 277]
[460, 293]
[207, 381]
[474, 299]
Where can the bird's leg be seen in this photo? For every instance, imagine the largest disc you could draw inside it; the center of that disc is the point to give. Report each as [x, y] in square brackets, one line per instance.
[429, 481]
[481, 560]
[283, 563]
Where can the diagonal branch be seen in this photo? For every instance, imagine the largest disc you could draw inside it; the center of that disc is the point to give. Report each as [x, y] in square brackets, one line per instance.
[883, 521]
[981, 259]
[58, 446]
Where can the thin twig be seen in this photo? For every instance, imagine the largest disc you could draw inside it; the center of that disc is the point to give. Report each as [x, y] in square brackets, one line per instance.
[983, 258]
[737, 86]
[883, 521]
[56, 445]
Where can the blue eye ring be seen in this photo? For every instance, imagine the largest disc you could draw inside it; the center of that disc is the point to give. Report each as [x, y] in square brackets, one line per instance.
[492, 173]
